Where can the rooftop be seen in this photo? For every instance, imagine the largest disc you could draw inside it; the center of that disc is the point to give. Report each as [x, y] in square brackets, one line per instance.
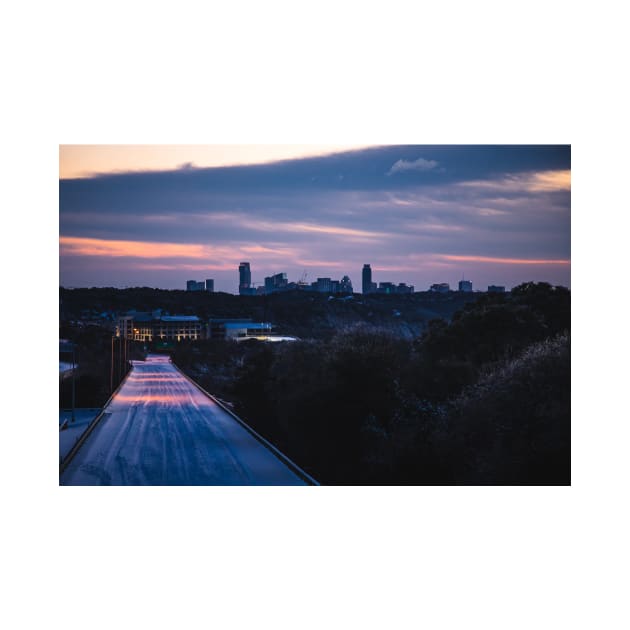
[179, 318]
[249, 324]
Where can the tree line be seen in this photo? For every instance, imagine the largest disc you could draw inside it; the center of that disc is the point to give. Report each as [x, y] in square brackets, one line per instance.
[481, 399]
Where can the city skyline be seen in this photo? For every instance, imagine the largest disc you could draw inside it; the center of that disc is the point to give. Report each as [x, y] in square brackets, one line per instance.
[281, 282]
[497, 215]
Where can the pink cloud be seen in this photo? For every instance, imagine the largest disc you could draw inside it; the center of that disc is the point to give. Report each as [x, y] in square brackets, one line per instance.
[505, 261]
[319, 263]
[73, 246]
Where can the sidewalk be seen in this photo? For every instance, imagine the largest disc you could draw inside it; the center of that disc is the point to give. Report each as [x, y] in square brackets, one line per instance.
[74, 430]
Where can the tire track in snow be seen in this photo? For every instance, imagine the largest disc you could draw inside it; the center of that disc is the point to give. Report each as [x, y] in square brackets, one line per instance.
[164, 431]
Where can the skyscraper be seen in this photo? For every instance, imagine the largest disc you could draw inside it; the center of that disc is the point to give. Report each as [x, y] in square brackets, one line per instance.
[367, 279]
[245, 278]
[345, 286]
[193, 285]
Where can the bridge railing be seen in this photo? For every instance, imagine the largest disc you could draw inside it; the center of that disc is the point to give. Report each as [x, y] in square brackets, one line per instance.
[65, 461]
[281, 456]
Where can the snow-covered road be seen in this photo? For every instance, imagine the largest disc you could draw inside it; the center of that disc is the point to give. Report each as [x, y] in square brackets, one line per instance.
[160, 429]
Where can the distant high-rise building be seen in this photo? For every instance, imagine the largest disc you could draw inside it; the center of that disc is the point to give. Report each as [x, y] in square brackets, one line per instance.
[386, 287]
[210, 285]
[277, 282]
[345, 286]
[465, 286]
[404, 288]
[244, 278]
[193, 285]
[323, 285]
[366, 276]
[442, 287]
[496, 289]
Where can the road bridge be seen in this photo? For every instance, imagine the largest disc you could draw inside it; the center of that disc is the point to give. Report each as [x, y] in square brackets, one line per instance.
[162, 429]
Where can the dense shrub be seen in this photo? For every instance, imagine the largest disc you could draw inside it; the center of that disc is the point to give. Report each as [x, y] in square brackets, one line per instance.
[315, 398]
[484, 398]
[514, 425]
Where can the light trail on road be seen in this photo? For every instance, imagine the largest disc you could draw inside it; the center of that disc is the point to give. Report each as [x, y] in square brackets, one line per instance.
[160, 429]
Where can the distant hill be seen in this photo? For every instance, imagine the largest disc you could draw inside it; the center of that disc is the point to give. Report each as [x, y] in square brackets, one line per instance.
[300, 313]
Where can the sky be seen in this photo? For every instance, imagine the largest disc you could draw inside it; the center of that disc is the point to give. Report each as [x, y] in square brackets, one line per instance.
[158, 216]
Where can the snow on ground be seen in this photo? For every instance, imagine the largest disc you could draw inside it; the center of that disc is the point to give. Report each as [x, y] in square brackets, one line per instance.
[69, 436]
[272, 338]
[160, 429]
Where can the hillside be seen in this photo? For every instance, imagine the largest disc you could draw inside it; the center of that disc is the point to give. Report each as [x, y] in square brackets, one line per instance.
[303, 314]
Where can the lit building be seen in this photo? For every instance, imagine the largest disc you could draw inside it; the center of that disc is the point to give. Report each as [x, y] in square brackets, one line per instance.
[237, 329]
[124, 327]
[153, 326]
[465, 286]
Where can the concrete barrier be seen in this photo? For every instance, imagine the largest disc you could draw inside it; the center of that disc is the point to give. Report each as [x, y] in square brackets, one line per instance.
[63, 463]
[281, 456]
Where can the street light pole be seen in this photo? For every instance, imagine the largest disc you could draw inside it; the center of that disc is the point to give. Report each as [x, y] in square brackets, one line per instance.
[111, 372]
[73, 366]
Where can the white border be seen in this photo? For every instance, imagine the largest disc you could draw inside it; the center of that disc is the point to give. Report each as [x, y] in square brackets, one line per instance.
[328, 557]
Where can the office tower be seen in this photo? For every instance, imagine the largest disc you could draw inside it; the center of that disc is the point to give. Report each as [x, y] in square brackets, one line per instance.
[277, 282]
[465, 286]
[386, 287]
[245, 278]
[345, 286]
[210, 285]
[323, 285]
[367, 279]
